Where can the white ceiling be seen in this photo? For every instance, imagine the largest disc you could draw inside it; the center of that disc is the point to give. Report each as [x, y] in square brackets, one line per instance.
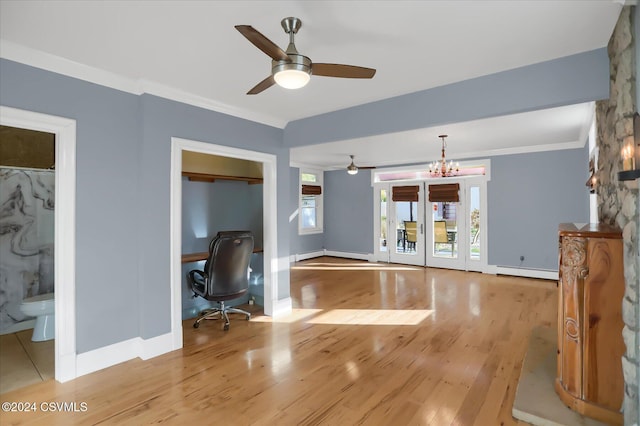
[191, 49]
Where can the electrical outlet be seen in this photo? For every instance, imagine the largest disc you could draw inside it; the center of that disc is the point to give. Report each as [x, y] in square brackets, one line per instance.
[521, 258]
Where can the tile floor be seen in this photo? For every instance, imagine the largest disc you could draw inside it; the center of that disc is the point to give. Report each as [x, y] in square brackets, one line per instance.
[23, 362]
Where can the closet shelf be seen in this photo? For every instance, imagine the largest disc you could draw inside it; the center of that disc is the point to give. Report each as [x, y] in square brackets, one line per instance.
[205, 177]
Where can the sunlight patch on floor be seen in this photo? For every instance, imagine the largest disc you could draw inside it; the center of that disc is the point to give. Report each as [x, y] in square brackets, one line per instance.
[372, 317]
[353, 267]
[295, 315]
[350, 316]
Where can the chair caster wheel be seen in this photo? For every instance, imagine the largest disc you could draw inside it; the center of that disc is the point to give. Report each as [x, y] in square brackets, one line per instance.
[196, 324]
[226, 327]
[248, 317]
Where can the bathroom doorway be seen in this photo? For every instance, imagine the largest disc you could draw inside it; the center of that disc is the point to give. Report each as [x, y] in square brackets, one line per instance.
[27, 213]
[33, 194]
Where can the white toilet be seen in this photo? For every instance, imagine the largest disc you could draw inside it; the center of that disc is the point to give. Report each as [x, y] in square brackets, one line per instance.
[43, 308]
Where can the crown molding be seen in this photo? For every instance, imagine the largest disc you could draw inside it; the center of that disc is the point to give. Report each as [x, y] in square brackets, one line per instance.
[46, 61]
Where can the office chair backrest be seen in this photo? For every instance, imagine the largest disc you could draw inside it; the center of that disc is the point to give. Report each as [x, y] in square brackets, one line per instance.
[228, 264]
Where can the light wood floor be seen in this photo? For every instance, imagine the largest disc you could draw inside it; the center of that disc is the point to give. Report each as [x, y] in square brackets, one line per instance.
[366, 344]
[23, 362]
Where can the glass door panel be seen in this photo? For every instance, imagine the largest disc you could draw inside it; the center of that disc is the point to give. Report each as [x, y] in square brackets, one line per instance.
[477, 228]
[383, 240]
[406, 224]
[406, 227]
[474, 221]
[445, 230]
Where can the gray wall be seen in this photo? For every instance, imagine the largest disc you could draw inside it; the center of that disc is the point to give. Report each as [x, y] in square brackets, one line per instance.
[219, 206]
[107, 195]
[209, 207]
[527, 197]
[122, 194]
[348, 212]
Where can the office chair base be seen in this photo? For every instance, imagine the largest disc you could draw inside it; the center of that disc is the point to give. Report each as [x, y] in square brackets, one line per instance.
[211, 314]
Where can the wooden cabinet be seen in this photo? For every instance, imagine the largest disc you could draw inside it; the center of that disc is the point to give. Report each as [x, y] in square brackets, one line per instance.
[590, 344]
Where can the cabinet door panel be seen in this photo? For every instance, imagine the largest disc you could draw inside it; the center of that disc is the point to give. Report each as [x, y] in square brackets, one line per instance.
[603, 380]
[573, 272]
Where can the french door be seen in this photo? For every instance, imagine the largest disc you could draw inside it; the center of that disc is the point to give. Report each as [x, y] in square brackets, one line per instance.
[413, 228]
[399, 226]
[446, 229]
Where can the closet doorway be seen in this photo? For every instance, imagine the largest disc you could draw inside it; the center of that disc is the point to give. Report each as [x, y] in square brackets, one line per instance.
[272, 305]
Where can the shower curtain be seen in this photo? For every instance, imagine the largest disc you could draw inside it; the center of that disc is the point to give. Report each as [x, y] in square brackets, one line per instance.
[26, 240]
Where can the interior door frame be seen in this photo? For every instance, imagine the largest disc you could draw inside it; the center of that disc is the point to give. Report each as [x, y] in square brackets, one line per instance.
[64, 130]
[273, 306]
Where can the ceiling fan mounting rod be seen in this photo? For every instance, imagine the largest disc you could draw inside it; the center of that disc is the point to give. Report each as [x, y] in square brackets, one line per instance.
[291, 26]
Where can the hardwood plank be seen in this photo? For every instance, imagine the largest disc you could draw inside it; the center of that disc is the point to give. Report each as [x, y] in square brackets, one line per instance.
[456, 358]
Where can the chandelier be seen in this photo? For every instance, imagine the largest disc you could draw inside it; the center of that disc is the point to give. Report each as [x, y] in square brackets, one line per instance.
[441, 168]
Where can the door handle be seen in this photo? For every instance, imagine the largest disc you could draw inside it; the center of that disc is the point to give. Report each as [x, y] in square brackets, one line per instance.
[421, 228]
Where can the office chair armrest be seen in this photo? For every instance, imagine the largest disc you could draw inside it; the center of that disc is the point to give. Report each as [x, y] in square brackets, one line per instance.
[197, 281]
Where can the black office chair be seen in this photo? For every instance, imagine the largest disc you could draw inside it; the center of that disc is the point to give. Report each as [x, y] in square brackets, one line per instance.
[225, 274]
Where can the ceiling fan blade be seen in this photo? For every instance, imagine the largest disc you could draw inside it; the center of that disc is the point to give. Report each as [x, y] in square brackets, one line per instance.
[263, 43]
[263, 85]
[366, 167]
[343, 71]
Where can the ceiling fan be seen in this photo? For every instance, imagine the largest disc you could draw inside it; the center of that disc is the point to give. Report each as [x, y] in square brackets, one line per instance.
[289, 68]
[352, 169]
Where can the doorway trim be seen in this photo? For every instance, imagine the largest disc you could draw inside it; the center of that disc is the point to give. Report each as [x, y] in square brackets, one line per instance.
[269, 219]
[65, 229]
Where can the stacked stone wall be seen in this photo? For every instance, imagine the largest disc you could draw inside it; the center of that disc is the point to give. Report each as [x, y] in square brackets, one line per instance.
[618, 202]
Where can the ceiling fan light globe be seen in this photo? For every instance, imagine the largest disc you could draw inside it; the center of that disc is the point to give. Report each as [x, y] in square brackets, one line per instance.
[353, 171]
[292, 79]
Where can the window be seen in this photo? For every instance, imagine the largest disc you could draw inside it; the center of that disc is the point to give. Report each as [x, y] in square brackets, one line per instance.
[310, 203]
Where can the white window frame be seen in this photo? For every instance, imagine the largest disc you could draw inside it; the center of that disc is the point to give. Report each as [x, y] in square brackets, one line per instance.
[319, 228]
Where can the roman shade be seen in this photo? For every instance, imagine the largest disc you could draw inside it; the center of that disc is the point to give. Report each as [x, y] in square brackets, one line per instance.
[405, 193]
[444, 193]
[311, 190]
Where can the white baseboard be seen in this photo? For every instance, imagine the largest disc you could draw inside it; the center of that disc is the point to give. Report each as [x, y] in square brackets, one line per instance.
[305, 256]
[526, 273]
[346, 255]
[151, 348]
[98, 359]
[282, 307]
